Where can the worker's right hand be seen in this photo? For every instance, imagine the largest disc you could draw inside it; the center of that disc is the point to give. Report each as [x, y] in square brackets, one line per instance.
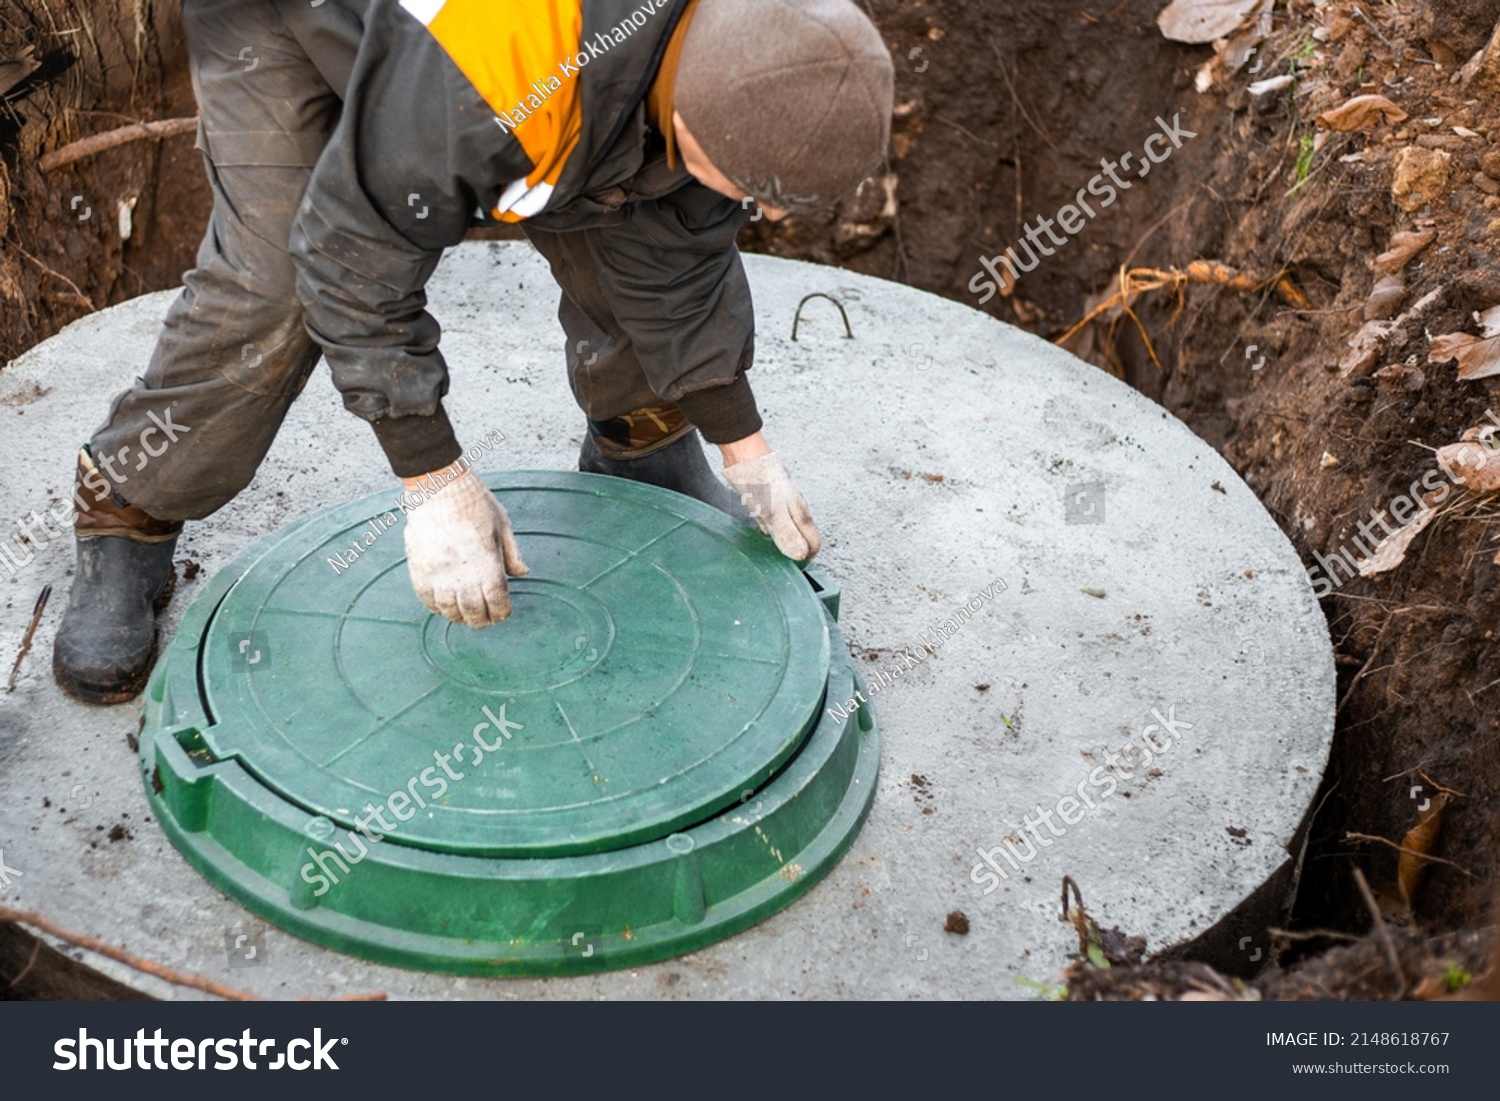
[459, 548]
[775, 503]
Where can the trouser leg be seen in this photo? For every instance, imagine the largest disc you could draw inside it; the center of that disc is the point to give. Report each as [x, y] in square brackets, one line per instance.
[632, 432]
[627, 418]
[233, 353]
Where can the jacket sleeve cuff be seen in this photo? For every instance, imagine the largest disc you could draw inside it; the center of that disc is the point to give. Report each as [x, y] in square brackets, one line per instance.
[723, 414]
[417, 445]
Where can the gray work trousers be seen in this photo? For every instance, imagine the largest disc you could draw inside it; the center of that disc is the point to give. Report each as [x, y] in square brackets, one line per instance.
[234, 352]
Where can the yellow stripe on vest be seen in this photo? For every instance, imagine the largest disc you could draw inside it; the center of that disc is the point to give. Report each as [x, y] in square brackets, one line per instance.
[512, 51]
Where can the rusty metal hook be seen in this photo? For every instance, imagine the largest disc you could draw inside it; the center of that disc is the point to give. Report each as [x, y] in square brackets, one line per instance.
[797, 320]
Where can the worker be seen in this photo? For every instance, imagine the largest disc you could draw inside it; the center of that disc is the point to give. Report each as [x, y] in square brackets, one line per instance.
[348, 143]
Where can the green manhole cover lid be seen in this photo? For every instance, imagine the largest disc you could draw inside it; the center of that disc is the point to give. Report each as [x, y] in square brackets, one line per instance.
[660, 659]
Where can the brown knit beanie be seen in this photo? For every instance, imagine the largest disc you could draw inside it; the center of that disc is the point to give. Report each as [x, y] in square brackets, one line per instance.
[791, 99]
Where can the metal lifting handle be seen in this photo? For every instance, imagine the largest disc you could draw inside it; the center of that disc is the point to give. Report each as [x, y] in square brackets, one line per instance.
[797, 320]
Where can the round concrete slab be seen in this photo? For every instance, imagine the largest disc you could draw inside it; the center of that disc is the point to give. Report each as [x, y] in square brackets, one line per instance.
[1045, 575]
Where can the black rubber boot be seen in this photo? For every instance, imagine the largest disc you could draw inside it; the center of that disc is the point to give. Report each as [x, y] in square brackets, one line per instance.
[680, 467]
[107, 641]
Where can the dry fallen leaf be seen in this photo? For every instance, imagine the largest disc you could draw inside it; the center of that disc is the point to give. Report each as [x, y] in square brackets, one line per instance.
[1434, 988]
[1390, 552]
[1420, 839]
[1401, 376]
[1474, 462]
[1235, 52]
[1365, 347]
[1201, 21]
[1403, 249]
[1361, 113]
[1478, 356]
[1385, 298]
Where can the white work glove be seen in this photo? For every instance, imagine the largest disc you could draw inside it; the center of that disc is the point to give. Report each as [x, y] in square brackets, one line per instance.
[775, 503]
[459, 547]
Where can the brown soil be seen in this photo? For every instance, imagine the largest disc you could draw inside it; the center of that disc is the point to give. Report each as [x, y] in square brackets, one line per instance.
[101, 66]
[1006, 121]
[35, 971]
[1003, 114]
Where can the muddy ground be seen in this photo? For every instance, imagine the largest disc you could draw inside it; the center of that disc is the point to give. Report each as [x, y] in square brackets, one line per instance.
[1004, 113]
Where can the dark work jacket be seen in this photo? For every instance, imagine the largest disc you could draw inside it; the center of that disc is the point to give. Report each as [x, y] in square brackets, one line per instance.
[471, 109]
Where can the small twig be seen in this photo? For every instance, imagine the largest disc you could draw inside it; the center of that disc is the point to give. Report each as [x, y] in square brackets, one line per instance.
[1365, 668]
[1016, 99]
[1407, 772]
[1312, 934]
[1351, 836]
[36, 950]
[965, 131]
[1296, 884]
[36, 617]
[1371, 24]
[1476, 691]
[98, 143]
[59, 276]
[375, 996]
[1081, 922]
[1440, 787]
[1381, 930]
[119, 955]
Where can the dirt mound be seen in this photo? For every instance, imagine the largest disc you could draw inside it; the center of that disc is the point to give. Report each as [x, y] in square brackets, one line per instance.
[1261, 237]
[1328, 436]
[108, 228]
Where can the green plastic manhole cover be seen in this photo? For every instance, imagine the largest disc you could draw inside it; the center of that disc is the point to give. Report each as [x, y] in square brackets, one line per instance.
[640, 761]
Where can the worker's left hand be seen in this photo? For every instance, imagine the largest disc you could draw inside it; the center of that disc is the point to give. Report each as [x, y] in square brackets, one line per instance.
[776, 504]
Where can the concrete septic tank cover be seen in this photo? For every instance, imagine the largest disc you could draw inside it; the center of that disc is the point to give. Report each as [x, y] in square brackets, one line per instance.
[1105, 564]
[634, 764]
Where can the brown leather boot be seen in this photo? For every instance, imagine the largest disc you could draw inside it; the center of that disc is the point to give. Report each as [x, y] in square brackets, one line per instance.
[106, 644]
